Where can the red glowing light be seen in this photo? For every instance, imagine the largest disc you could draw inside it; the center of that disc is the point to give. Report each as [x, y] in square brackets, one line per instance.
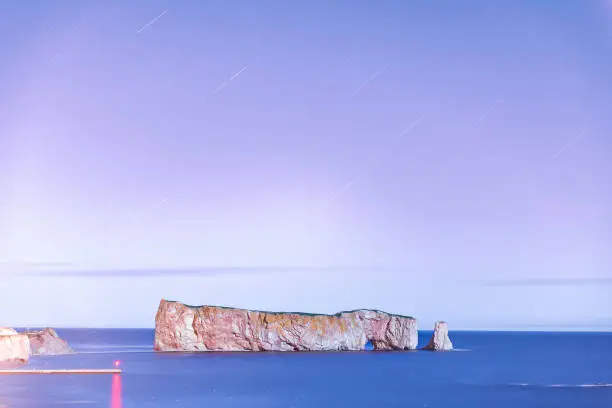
[117, 362]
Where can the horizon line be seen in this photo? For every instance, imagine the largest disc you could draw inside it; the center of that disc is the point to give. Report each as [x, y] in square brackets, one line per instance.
[539, 329]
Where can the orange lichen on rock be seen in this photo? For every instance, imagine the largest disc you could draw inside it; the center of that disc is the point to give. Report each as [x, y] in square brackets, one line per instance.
[179, 327]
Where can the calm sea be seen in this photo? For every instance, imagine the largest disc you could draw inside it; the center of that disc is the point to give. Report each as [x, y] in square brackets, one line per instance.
[493, 369]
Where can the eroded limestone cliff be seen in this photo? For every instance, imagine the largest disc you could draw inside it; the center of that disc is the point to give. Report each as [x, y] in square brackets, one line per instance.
[14, 347]
[47, 342]
[440, 340]
[180, 327]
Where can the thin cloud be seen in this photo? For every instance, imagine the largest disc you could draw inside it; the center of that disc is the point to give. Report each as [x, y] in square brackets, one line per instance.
[32, 263]
[489, 111]
[343, 190]
[151, 22]
[544, 282]
[234, 76]
[11, 265]
[372, 78]
[570, 142]
[73, 38]
[130, 273]
[409, 128]
[203, 271]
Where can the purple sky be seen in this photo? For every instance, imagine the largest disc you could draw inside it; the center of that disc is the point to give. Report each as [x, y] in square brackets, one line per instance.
[449, 160]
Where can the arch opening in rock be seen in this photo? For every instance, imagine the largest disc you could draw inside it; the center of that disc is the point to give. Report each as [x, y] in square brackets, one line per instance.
[368, 346]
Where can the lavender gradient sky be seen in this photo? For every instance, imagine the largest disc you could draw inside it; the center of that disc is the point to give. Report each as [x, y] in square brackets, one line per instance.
[437, 158]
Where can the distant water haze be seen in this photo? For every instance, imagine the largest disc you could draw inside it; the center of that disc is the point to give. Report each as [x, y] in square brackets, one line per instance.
[130, 298]
[505, 370]
[446, 160]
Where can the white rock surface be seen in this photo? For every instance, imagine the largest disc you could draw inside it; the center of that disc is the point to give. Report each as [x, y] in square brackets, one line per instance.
[5, 331]
[14, 347]
[440, 340]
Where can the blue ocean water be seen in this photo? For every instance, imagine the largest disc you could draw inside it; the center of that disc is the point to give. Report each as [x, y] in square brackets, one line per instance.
[492, 369]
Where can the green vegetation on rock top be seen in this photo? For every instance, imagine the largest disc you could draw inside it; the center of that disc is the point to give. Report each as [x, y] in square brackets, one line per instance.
[293, 313]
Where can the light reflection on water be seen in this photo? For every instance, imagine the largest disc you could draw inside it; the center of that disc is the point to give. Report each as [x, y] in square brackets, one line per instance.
[116, 391]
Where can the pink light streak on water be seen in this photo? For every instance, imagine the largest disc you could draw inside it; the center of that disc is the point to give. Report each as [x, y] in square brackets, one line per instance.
[116, 392]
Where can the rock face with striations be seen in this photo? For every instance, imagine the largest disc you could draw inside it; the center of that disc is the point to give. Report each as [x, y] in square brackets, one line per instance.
[440, 340]
[14, 347]
[179, 327]
[47, 342]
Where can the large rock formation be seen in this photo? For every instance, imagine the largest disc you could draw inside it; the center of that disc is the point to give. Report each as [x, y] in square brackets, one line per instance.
[47, 342]
[14, 347]
[439, 340]
[5, 331]
[179, 327]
